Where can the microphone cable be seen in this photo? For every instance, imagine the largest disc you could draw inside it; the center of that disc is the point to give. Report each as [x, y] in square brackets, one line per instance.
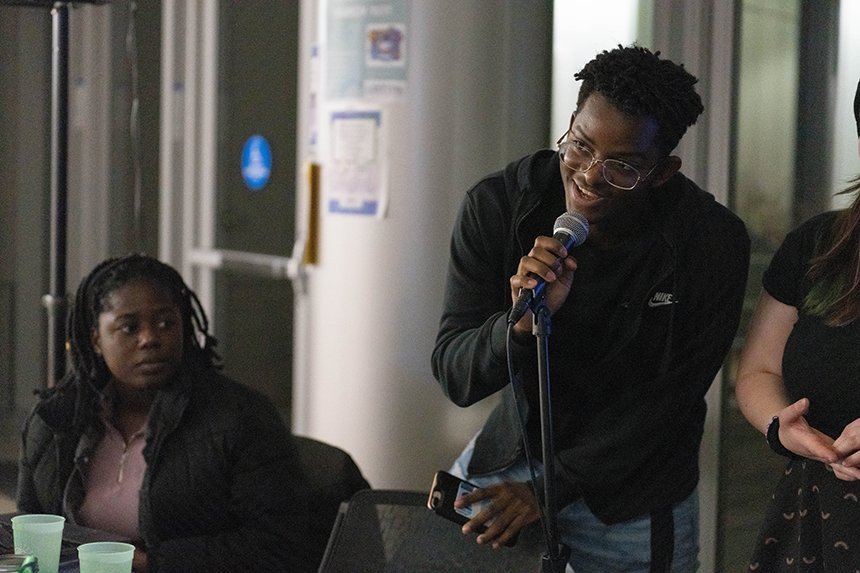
[521, 401]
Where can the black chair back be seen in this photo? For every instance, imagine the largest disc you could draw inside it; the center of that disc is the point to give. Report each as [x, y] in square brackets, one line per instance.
[334, 479]
[392, 531]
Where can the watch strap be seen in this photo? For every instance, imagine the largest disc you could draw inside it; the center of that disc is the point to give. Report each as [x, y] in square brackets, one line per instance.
[772, 436]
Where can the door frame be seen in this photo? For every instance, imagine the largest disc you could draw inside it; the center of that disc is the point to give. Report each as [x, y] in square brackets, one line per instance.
[188, 156]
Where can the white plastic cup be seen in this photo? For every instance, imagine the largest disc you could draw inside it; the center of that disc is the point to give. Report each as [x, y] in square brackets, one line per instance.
[105, 557]
[39, 534]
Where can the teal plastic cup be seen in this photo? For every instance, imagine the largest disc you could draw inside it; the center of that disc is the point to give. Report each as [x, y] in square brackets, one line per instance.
[41, 535]
[105, 557]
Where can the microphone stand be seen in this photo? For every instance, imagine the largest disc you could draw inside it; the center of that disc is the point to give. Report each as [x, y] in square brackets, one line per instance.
[556, 557]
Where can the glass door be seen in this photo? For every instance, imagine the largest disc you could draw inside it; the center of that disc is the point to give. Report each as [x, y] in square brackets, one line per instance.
[795, 147]
[255, 192]
[227, 165]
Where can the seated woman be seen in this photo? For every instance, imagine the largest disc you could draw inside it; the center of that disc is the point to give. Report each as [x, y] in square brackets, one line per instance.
[146, 439]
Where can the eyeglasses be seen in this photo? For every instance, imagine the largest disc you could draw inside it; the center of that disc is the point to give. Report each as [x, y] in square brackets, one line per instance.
[574, 154]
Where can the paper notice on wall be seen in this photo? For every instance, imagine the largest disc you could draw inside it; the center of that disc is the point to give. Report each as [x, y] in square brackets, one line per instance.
[367, 49]
[355, 179]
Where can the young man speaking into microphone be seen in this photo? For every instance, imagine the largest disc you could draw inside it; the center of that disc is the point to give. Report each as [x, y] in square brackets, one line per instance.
[639, 330]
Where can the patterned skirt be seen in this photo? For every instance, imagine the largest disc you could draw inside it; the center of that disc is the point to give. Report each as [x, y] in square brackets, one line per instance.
[812, 524]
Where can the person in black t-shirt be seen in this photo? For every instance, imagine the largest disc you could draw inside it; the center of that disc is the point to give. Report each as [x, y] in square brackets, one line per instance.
[798, 384]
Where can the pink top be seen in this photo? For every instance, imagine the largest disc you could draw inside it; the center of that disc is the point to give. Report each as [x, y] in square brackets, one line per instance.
[112, 484]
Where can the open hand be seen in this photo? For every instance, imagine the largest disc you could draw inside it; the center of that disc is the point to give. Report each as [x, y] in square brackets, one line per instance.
[797, 435]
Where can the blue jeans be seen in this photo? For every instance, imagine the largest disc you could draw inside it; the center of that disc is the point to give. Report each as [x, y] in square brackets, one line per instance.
[599, 548]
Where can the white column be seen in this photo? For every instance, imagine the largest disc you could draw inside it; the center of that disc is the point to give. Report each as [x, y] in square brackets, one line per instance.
[374, 299]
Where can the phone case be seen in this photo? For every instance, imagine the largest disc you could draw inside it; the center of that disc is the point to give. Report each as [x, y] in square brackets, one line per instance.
[445, 489]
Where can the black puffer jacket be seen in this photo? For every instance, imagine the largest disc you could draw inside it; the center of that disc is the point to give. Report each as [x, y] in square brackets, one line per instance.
[222, 489]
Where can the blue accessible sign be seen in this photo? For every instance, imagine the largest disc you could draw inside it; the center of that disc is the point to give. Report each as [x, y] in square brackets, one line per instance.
[256, 162]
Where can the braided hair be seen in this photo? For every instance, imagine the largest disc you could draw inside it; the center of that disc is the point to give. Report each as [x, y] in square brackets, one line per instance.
[639, 83]
[91, 300]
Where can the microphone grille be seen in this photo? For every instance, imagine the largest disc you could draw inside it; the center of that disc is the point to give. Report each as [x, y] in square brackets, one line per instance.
[574, 224]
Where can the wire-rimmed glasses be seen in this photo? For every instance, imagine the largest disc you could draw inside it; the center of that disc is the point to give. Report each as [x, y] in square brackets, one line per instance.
[621, 175]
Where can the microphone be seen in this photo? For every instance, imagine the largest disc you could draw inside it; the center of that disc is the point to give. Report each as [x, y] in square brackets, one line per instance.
[571, 230]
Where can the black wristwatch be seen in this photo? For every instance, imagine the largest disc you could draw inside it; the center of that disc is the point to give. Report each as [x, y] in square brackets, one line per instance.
[773, 439]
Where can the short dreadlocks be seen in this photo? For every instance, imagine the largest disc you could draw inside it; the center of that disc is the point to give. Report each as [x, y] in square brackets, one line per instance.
[639, 83]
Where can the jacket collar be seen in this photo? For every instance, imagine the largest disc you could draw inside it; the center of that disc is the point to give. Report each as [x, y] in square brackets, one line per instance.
[167, 412]
[74, 401]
